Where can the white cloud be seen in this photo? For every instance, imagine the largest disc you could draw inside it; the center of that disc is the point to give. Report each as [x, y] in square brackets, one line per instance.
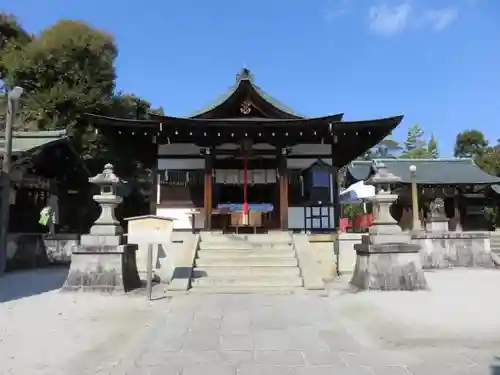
[388, 20]
[439, 19]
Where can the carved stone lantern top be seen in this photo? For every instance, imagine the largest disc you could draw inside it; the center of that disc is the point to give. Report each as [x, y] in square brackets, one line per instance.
[383, 179]
[106, 180]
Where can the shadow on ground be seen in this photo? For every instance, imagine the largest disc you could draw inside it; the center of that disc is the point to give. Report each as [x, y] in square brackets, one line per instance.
[21, 284]
[495, 369]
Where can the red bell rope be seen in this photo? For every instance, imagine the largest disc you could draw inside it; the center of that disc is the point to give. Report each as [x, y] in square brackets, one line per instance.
[245, 183]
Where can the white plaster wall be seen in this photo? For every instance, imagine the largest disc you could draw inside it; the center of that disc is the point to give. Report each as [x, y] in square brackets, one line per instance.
[303, 163]
[179, 164]
[178, 149]
[182, 217]
[311, 149]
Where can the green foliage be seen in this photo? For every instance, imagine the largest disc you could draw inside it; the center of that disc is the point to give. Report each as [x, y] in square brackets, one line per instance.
[432, 147]
[158, 111]
[489, 160]
[473, 144]
[470, 144]
[129, 106]
[416, 147]
[414, 139]
[352, 210]
[492, 214]
[12, 37]
[65, 71]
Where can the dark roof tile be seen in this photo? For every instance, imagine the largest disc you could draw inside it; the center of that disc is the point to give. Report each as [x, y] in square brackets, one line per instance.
[429, 171]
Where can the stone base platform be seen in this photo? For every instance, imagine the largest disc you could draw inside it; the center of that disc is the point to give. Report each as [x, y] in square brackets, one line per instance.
[388, 267]
[454, 249]
[107, 272]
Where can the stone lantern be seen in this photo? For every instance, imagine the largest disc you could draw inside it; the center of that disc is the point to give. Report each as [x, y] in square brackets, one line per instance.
[108, 199]
[386, 259]
[102, 261]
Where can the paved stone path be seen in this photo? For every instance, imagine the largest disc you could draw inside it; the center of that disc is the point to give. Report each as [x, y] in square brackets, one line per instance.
[455, 329]
[294, 334]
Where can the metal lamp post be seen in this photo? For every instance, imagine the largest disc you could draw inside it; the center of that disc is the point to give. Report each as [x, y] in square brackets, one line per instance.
[12, 104]
[414, 198]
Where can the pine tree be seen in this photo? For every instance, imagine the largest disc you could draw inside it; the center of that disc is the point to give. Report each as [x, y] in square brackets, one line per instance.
[432, 148]
[414, 138]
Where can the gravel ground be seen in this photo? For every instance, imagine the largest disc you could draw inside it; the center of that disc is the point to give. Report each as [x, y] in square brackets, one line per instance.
[44, 331]
[453, 329]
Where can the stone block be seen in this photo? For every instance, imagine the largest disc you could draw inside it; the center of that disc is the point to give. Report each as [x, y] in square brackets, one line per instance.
[59, 247]
[107, 243]
[104, 272]
[387, 266]
[106, 230]
[437, 225]
[454, 249]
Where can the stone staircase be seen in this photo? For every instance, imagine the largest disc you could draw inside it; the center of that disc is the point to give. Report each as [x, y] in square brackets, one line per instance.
[241, 263]
[495, 243]
[495, 248]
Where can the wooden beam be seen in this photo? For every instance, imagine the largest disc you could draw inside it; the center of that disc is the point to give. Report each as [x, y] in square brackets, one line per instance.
[283, 188]
[335, 186]
[267, 152]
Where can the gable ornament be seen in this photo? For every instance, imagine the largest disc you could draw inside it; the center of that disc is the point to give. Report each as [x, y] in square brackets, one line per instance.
[246, 107]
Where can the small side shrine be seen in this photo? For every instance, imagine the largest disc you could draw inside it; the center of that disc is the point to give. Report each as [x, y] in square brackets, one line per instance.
[103, 262]
[320, 196]
[452, 193]
[46, 171]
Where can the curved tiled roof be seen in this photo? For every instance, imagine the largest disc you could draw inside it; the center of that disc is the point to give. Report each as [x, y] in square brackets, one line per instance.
[245, 76]
[428, 171]
[23, 141]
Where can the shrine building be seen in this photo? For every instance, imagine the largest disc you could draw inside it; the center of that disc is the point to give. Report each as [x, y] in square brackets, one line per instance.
[247, 153]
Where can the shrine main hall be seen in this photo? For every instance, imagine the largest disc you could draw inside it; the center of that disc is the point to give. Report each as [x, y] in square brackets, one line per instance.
[245, 153]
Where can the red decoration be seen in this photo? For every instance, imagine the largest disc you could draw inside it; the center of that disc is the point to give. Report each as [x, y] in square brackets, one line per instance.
[245, 182]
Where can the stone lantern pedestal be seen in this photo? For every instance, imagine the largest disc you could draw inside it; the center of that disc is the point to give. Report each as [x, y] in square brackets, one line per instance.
[386, 259]
[103, 262]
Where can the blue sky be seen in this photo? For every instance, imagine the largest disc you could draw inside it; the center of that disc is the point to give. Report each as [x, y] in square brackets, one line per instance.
[435, 61]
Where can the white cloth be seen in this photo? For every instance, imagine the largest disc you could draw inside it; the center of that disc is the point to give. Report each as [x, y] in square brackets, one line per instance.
[357, 193]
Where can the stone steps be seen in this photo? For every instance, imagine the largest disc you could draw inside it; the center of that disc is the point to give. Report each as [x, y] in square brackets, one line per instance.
[270, 290]
[255, 271]
[245, 254]
[495, 243]
[249, 281]
[267, 238]
[228, 263]
[240, 245]
[237, 261]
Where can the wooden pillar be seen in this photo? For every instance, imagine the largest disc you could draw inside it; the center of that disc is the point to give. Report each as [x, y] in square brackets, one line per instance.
[283, 188]
[208, 188]
[335, 188]
[153, 156]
